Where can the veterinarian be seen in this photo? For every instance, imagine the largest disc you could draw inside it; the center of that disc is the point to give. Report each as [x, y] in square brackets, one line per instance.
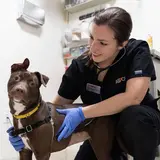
[113, 79]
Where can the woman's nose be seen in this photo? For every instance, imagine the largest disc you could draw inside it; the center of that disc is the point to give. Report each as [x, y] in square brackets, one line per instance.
[93, 46]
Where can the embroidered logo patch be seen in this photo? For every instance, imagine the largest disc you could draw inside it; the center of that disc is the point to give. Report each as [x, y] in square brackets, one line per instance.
[119, 80]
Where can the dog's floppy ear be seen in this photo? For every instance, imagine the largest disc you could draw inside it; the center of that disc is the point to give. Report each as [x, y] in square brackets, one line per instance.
[42, 78]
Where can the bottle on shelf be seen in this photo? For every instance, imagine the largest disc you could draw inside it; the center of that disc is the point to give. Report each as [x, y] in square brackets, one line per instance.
[150, 41]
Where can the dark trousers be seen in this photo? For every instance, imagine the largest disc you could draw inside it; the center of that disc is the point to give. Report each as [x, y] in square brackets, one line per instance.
[138, 128]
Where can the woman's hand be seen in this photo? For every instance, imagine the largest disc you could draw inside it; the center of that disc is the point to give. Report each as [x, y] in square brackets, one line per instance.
[73, 117]
[16, 141]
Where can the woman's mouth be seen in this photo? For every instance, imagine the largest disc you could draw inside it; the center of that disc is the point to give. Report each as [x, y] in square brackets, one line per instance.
[96, 55]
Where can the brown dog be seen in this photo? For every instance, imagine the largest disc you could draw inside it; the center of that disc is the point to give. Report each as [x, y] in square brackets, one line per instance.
[37, 121]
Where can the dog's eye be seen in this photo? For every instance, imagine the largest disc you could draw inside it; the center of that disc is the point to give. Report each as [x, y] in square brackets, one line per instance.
[17, 78]
[31, 83]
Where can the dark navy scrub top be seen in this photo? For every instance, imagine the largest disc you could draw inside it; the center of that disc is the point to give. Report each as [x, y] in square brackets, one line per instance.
[81, 80]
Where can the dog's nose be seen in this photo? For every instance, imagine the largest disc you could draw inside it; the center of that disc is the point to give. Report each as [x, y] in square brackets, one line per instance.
[19, 90]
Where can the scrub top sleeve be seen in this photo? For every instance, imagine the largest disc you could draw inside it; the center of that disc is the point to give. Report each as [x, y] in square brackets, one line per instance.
[70, 85]
[141, 63]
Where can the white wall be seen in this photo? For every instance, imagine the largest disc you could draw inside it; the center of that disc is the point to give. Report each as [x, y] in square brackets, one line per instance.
[41, 46]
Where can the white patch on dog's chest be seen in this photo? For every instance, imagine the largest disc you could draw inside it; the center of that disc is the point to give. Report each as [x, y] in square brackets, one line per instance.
[24, 137]
[18, 107]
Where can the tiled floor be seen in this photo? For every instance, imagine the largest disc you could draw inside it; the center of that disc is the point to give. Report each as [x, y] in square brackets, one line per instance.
[155, 159]
[70, 152]
[67, 154]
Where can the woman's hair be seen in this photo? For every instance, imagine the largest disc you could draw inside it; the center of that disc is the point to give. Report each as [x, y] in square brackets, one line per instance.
[119, 20]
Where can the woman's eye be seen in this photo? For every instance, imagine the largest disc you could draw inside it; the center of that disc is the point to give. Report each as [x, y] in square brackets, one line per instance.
[104, 44]
[17, 78]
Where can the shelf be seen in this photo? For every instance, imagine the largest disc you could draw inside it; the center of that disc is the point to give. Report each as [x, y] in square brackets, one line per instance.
[71, 57]
[78, 43]
[155, 54]
[85, 5]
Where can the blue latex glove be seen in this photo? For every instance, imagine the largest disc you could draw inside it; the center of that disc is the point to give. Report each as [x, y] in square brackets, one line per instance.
[16, 141]
[73, 118]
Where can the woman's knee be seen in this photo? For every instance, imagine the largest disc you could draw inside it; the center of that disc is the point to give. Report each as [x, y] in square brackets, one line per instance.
[137, 124]
[134, 115]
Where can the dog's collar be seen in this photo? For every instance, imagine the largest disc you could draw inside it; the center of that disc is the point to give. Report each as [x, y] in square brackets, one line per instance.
[27, 114]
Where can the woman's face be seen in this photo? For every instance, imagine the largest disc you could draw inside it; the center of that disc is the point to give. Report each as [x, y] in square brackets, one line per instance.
[103, 45]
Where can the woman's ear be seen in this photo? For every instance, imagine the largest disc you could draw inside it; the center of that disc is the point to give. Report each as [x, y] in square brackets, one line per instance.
[123, 45]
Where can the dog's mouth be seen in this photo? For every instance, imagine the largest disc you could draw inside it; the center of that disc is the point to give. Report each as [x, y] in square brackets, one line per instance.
[17, 100]
[22, 101]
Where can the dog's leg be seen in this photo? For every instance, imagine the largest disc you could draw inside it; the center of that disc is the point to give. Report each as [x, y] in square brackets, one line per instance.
[102, 134]
[43, 157]
[25, 154]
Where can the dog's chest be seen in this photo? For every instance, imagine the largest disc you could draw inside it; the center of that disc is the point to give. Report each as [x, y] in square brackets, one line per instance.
[23, 136]
[18, 107]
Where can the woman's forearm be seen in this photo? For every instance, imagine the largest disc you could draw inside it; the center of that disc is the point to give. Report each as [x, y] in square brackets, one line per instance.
[61, 100]
[109, 106]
